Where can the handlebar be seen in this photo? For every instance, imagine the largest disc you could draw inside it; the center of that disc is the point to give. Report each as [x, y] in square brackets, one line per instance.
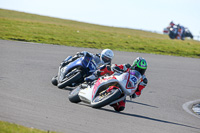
[118, 71]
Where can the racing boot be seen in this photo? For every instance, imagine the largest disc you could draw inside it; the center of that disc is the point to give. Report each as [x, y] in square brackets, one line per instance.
[120, 106]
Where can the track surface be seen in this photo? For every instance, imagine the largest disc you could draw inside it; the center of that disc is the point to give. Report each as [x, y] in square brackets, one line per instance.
[28, 98]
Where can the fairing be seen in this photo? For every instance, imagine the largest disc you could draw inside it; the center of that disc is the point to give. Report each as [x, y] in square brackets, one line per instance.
[128, 84]
[86, 63]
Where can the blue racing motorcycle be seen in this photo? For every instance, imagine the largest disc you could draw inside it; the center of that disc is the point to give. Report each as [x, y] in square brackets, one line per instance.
[74, 73]
[173, 33]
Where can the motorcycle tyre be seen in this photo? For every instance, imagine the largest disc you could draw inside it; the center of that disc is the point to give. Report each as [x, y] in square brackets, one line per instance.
[54, 81]
[172, 35]
[73, 95]
[191, 36]
[108, 99]
[73, 79]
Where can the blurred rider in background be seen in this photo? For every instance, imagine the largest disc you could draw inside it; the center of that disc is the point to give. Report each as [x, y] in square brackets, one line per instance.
[171, 24]
[139, 64]
[181, 30]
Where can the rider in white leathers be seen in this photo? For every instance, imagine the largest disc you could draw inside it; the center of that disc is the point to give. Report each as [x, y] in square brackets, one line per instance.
[139, 64]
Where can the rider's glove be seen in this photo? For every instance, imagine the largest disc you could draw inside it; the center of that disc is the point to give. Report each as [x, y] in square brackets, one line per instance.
[128, 65]
[133, 96]
[97, 73]
[98, 55]
[114, 68]
[62, 64]
[90, 78]
[79, 54]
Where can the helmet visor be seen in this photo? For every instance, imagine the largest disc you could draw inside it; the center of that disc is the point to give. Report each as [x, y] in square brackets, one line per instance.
[106, 59]
[142, 71]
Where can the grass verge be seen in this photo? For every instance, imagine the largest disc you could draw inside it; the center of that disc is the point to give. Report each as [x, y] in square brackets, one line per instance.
[6, 127]
[41, 29]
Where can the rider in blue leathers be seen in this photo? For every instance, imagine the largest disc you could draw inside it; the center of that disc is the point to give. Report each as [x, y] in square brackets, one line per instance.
[181, 30]
[104, 58]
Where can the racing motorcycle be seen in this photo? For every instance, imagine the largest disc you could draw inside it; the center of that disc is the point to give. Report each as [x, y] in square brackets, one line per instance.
[107, 90]
[173, 32]
[74, 73]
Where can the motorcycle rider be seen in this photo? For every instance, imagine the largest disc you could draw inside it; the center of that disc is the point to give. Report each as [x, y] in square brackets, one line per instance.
[139, 64]
[180, 32]
[171, 24]
[100, 59]
[104, 58]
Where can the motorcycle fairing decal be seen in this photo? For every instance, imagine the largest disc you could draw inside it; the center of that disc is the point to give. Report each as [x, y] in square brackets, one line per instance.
[99, 81]
[87, 59]
[93, 61]
[134, 80]
[113, 77]
[125, 77]
[129, 84]
[95, 87]
[92, 66]
[106, 79]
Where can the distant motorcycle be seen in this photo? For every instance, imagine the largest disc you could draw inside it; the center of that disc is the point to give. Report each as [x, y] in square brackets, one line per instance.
[75, 72]
[173, 32]
[107, 90]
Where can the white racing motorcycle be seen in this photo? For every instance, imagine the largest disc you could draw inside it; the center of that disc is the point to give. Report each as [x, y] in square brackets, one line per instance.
[107, 90]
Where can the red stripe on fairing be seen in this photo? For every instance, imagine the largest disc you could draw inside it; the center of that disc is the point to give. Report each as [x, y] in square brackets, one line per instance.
[128, 82]
[95, 87]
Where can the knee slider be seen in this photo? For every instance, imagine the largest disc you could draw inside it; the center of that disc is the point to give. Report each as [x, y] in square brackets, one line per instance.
[145, 80]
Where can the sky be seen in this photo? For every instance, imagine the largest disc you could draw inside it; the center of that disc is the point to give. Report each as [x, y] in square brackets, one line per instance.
[150, 15]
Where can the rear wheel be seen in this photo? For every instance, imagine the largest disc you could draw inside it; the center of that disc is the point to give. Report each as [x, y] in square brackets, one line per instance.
[105, 98]
[69, 80]
[191, 36]
[73, 95]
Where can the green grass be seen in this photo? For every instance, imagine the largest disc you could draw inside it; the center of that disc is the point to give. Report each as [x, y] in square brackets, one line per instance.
[41, 29]
[6, 127]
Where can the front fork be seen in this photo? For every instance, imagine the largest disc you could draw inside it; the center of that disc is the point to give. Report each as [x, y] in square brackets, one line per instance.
[59, 69]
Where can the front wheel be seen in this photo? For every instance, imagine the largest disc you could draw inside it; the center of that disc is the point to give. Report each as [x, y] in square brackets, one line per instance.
[172, 35]
[73, 95]
[70, 80]
[105, 99]
[54, 81]
[191, 36]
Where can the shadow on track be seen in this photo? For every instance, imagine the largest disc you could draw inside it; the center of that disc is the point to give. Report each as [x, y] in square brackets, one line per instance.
[68, 88]
[139, 116]
[148, 118]
[141, 104]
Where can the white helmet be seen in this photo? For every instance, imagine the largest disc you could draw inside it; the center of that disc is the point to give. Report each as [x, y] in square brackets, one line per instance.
[107, 55]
